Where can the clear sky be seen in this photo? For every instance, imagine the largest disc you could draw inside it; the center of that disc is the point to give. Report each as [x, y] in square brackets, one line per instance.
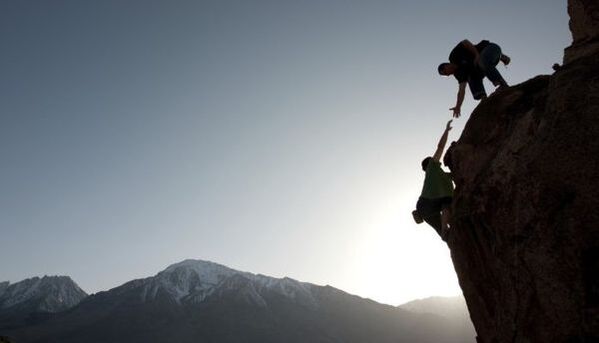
[277, 137]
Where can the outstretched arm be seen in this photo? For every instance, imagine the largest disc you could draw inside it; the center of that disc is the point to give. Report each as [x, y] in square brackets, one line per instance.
[458, 105]
[442, 143]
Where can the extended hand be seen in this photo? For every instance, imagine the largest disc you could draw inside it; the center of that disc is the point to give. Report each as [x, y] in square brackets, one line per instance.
[448, 127]
[456, 111]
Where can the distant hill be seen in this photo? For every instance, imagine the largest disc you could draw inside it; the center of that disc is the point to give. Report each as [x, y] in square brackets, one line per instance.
[453, 309]
[201, 301]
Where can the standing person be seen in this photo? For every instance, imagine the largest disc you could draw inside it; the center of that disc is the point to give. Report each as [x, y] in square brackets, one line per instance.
[469, 64]
[434, 204]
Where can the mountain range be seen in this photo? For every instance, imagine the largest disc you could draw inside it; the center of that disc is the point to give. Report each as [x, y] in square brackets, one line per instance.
[201, 301]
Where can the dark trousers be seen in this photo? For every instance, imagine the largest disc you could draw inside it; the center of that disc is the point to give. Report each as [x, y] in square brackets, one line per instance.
[434, 220]
[430, 211]
[487, 66]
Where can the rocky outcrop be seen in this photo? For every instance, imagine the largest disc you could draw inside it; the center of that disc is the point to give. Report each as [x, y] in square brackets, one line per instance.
[525, 228]
[584, 24]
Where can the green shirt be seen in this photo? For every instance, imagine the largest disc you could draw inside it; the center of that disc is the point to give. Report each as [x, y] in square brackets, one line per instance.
[437, 183]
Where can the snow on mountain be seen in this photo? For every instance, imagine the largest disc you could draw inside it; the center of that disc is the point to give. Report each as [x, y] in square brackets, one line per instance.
[188, 278]
[199, 301]
[290, 288]
[196, 280]
[46, 294]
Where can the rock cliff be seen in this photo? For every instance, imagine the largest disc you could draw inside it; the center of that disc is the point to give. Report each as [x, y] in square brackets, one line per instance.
[525, 227]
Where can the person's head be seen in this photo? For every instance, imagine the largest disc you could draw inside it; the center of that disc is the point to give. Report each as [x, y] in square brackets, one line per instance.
[425, 162]
[446, 69]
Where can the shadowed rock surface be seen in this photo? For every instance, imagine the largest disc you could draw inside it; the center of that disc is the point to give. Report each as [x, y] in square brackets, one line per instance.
[525, 231]
[584, 25]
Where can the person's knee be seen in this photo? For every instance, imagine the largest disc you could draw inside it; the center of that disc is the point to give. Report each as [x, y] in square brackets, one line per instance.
[484, 68]
[479, 95]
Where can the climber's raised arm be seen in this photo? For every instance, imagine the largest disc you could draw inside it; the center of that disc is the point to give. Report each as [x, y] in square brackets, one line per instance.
[442, 143]
[436, 198]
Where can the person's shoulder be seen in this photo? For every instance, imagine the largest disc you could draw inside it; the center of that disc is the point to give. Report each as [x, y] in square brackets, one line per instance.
[433, 164]
[456, 49]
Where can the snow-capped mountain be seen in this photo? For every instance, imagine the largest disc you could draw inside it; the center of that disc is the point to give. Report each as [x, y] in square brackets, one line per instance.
[192, 281]
[201, 301]
[47, 294]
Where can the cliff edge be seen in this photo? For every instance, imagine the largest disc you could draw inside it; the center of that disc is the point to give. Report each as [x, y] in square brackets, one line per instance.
[525, 228]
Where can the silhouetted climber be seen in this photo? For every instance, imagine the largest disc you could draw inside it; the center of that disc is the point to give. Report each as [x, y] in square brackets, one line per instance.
[434, 204]
[470, 64]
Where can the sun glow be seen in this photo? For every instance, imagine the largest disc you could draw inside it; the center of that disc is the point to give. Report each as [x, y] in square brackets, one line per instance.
[397, 260]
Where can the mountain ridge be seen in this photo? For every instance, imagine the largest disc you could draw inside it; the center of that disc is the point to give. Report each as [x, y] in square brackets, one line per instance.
[45, 294]
[200, 300]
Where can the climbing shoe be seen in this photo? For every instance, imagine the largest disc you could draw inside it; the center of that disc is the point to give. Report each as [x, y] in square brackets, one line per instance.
[417, 218]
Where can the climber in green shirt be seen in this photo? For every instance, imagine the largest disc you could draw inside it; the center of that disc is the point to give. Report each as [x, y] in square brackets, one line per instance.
[434, 204]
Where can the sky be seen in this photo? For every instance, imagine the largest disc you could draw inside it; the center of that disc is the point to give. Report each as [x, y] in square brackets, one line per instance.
[276, 137]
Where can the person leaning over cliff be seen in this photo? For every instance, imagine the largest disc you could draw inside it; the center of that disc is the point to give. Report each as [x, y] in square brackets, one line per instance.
[469, 64]
[434, 204]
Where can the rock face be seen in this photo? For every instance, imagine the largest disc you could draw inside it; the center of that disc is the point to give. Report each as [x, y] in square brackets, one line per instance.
[584, 24]
[525, 229]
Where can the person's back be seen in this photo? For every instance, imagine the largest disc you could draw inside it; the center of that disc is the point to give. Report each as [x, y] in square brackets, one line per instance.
[437, 183]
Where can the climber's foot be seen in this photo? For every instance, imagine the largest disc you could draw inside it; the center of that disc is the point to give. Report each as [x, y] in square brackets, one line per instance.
[417, 217]
[500, 85]
[480, 96]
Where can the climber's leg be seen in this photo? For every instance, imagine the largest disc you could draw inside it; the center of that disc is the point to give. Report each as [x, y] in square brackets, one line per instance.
[430, 210]
[434, 220]
[477, 88]
[489, 58]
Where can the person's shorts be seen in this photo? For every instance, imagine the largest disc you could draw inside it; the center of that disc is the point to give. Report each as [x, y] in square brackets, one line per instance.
[433, 206]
